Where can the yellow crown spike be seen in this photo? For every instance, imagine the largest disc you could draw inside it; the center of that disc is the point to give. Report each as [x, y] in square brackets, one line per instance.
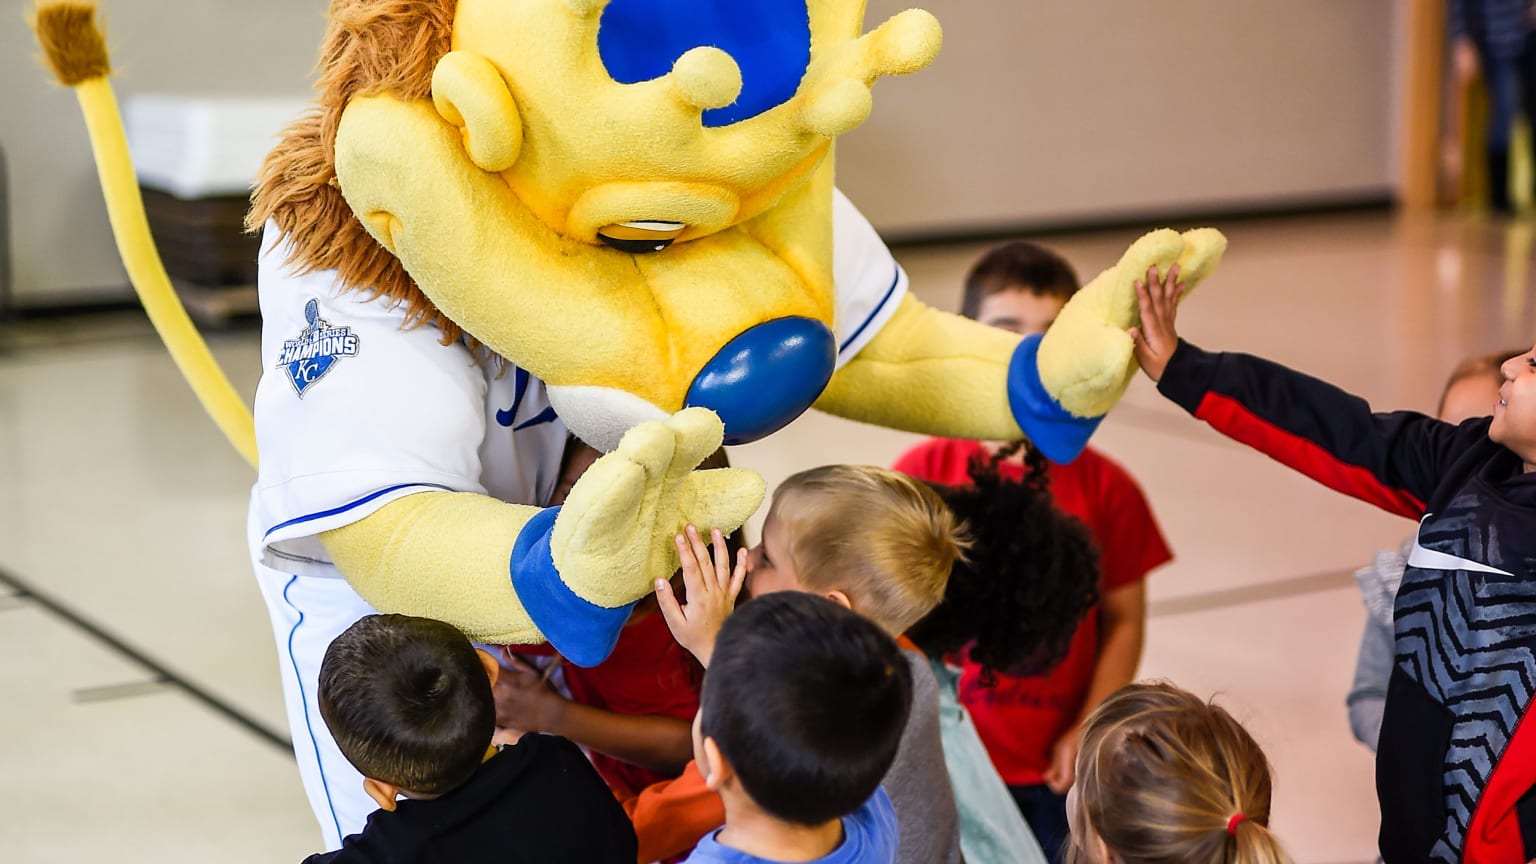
[706, 78]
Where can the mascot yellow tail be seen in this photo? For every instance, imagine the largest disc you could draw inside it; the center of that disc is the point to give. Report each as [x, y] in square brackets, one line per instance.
[77, 54]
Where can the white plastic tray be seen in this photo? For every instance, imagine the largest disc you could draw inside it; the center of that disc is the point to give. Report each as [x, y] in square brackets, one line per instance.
[204, 146]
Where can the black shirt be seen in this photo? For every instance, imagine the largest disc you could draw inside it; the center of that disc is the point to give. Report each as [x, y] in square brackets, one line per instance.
[539, 800]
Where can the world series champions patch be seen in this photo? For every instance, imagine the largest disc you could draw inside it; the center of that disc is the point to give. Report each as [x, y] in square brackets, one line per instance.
[317, 350]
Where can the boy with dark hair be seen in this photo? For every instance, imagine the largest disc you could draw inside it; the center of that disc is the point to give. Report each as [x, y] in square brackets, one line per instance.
[802, 712]
[408, 701]
[1014, 273]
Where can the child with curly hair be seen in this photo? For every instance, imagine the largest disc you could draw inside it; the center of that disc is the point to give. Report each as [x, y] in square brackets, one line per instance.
[1164, 778]
[1028, 564]
[1030, 723]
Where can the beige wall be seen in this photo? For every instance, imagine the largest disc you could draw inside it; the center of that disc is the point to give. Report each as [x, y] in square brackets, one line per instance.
[1037, 111]
[59, 231]
[1042, 111]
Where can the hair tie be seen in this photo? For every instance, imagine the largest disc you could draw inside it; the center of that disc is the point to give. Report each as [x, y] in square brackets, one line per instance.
[1232, 823]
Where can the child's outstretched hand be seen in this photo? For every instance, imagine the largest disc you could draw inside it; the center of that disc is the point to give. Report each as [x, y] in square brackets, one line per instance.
[711, 586]
[1156, 338]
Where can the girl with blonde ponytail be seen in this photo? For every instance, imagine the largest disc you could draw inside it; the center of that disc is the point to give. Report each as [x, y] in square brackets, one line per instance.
[1165, 778]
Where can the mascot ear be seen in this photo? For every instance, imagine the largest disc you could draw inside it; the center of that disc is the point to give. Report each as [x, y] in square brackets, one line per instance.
[469, 93]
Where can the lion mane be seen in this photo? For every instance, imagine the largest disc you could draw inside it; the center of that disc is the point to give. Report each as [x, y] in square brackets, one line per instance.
[371, 47]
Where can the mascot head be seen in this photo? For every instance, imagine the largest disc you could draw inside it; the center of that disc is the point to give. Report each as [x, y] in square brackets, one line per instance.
[630, 199]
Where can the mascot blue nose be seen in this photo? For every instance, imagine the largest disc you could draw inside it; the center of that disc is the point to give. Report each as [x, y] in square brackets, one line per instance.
[766, 377]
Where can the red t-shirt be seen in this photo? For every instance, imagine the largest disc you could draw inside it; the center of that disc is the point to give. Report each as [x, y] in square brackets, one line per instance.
[1020, 718]
[648, 673]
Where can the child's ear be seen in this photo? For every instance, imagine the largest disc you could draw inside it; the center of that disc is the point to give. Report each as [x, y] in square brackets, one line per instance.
[840, 599]
[382, 793]
[717, 772]
[492, 666]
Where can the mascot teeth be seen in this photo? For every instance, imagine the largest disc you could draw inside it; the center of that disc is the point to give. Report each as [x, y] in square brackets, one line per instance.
[645, 235]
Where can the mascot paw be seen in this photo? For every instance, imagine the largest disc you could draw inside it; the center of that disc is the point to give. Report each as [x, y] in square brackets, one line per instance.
[1087, 359]
[1203, 248]
[1106, 360]
[613, 537]
[723, 498]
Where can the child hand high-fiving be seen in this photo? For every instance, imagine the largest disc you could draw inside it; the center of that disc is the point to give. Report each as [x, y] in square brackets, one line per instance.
[1156, 338]
[711, 586]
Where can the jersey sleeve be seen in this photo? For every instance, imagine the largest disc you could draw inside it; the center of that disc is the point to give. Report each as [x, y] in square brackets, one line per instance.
[1392, 460]
[353, 410]
[868, 282]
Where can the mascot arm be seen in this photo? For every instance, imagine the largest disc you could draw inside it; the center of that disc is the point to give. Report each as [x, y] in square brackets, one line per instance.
[442, 555]
[939, 374]
[509, 573]
[929, 372]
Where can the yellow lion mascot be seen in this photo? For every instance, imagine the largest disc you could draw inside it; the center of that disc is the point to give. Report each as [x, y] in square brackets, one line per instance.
[510, 221]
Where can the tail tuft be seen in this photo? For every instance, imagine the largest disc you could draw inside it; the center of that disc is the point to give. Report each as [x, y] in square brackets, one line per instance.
[73, 43]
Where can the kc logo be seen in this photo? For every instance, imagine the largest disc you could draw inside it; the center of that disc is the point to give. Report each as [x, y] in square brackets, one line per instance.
[318, 348]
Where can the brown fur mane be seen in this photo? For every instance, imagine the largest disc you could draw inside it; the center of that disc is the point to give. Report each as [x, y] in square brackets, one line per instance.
[371, 47]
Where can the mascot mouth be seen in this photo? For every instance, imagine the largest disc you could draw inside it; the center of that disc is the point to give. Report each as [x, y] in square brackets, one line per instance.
[644, 216]
[640, 236]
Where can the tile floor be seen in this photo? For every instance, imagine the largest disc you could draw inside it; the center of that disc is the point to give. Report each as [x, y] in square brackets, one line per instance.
[121, 505]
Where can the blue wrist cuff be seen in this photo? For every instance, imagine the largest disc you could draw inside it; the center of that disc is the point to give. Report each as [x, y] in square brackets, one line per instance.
[583, 632]
[1055, 431]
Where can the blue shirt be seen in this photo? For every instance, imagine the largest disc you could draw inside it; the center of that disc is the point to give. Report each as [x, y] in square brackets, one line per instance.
[869, 837]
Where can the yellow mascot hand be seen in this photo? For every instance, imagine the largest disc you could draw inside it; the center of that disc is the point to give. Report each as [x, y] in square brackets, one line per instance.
[1086, 359]
[568, 574]
[617, 525]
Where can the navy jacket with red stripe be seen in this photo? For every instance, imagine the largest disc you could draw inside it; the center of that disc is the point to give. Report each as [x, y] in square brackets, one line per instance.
[1456, 764]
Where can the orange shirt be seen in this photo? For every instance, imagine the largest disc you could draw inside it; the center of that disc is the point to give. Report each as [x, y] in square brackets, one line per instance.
[672, 816]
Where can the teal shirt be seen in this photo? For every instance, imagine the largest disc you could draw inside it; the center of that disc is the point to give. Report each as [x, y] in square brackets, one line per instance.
[991, 829]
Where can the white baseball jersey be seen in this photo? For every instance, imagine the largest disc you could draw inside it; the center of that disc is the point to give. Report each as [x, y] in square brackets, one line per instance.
[353, 411]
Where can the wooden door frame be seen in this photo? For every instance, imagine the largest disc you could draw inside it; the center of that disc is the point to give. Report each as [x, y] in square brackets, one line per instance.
[1423, 82]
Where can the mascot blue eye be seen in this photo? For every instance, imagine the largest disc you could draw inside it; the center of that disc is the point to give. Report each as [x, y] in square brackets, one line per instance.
[770, 40]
